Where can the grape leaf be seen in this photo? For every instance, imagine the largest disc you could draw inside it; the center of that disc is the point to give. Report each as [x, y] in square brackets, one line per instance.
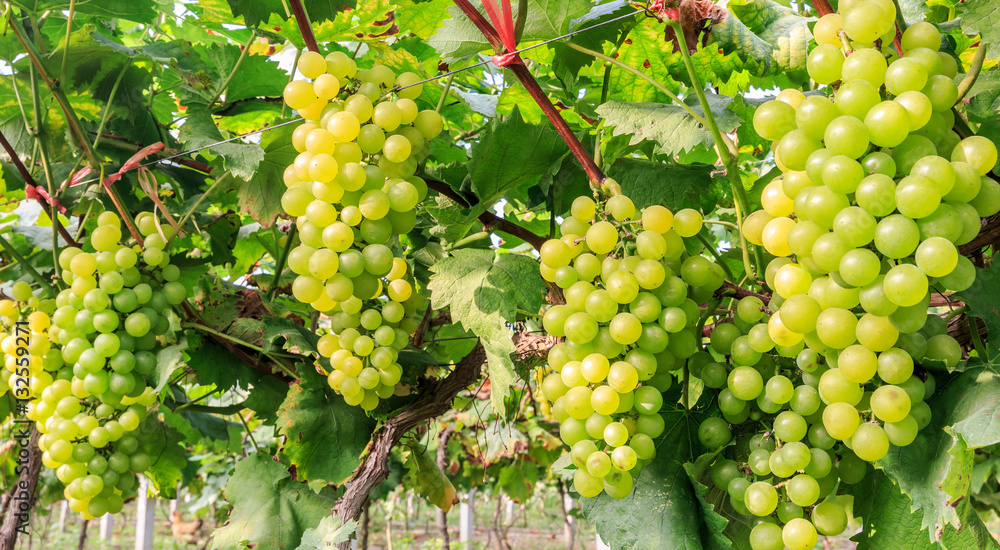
[164, 444]
[199, 130]
[260, 195]
[780, 26]
[255, 12]
[880, 503]
[297, 339]
[140, 11]
[983, 299]
[735, 37]
[935, 470]
[427, 478]
[983, 99]
[324, 438]
[328, 533]
[421, 18]
[674, 185]
[511, 153]
[981, 17]
[270, 510]
[975, 409]
[671, 127]
[646, 51]
[484, 292]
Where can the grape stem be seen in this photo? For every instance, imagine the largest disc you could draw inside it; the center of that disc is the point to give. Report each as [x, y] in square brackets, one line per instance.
[737, 291]
[726, 149]
[27, 266]
[305, 27]
[974, 69]
[594, 173]
[23, 170]
[280, 266]
[249, 431]
[977, 340]
[488, 219]
[715, 254]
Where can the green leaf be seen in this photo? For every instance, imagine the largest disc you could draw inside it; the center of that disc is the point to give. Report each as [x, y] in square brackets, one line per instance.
[328, 533]
[984, 96]
[889, 523]
[484, 292]
[164, 444]
[734, 36]
[982, 17]
[427, 478]
[780, 26]
[199, 130]
[257, 75]
[664, 510]
[292, 337]
[324, 437]
[674, 185]
[983, 299]
[511, 153]
[168, 360]
[671, 127]
[140, 11]
[260, 195]
[270, 510]
[975, 407]
[935, 470]
[647, 51]
[255, 12]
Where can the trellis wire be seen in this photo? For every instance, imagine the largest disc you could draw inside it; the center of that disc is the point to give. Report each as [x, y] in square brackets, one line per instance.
[395, 88]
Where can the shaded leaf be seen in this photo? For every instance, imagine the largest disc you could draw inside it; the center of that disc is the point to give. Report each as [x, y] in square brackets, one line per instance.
[270, 510]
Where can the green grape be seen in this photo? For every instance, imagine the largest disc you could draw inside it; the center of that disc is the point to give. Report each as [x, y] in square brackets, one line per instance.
[825, 63]
[774, 119]
[799, 533]
[848, 136]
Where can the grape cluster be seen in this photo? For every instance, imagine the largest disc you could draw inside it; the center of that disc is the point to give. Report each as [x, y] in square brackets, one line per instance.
[352, 188]
[631, 318]
[876, 194]
[20, 378]
[91, 394]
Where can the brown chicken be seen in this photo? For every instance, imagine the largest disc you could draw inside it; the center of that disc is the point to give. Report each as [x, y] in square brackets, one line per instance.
[184, 530]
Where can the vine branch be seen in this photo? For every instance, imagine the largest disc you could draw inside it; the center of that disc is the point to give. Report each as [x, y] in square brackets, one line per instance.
[434, 399]
[489, 219]
[305, 27]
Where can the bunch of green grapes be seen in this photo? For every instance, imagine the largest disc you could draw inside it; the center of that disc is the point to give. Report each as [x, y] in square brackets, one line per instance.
[631, 318]
[352, 189]
[367, 335]
[20, 372]
[877, 193]
[93, 395]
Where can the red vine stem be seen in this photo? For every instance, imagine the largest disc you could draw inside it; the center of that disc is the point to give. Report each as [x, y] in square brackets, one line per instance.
[822, 7]
[305, 27]
[28, 180]
[594, 172]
